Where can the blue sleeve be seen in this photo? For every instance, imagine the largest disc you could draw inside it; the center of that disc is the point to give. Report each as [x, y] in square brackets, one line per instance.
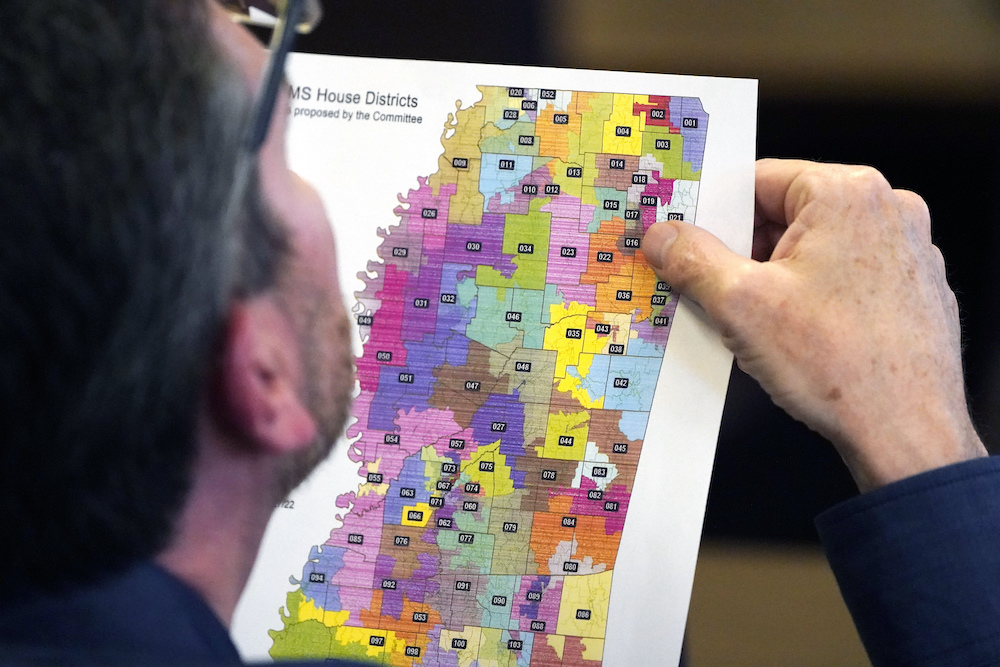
[918, 564]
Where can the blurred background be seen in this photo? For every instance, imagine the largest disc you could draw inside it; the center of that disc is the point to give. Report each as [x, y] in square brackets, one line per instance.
[911, 87]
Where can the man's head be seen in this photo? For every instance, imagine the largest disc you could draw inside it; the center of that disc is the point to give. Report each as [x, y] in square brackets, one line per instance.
[120, 132]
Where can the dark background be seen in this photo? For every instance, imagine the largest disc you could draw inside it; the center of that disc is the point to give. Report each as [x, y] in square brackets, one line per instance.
[772, 475]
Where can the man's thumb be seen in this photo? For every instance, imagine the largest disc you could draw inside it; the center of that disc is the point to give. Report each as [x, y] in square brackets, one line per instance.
[692, 260]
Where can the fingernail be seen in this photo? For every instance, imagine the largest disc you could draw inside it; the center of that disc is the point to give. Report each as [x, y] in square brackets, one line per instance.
[657, 241]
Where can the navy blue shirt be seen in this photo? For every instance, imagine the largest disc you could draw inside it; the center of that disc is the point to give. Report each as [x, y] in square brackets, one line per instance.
[918, 564]
[143, 615]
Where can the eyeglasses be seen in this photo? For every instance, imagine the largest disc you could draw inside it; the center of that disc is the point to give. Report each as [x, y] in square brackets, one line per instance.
[304, 15]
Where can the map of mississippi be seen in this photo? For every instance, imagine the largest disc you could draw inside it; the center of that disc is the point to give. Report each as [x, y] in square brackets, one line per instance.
[513, 336]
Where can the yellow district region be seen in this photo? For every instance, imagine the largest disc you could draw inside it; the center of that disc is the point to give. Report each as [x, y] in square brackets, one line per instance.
[583, 608]
[616, 139]
[593, 648]
[572, 385]
[493, 651]
[641, 99]
[466, 205]
[308, 611]
[466, 656]
[349, 641]
[368, 487]
[432, 466]
[558, 644]
[570, 429]
[495, 100]
[564, 317]
[567, 185]
[496, 483]
[425, 510]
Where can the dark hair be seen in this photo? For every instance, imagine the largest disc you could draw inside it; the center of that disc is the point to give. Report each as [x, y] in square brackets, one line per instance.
[120, 132]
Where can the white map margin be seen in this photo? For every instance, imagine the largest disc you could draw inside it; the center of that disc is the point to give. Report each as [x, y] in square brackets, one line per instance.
[655, 567]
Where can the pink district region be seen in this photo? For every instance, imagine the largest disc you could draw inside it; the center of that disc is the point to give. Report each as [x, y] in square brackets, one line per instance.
[360, 537]
[664, 191]
[537, 601]
[568, 206]
[425, 211]
[563, 270]
[380, 447]
[386, 333]
[538, 178]
[612, 504]
[433, 427]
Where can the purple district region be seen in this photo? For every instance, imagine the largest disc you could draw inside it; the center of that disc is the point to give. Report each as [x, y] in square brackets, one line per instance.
[502, 409]
[405, 388]
[655, 335]
[479, 244]
[411, 589]
[694, 137]
[414, 588]
[546, 609]
[406, 489]
[317, 574]
[436, 654]
[538, 585]
[453, 317]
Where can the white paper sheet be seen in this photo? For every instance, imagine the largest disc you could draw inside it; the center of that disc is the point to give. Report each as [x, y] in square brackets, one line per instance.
[363, 168]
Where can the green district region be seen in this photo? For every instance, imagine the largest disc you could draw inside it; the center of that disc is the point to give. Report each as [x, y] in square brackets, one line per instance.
[526, 237]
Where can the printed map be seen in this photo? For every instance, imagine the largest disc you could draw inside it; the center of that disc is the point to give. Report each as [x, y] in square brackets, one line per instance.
[513, 335]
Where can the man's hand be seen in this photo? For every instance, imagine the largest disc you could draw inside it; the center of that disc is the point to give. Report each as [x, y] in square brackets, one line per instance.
[850, 327]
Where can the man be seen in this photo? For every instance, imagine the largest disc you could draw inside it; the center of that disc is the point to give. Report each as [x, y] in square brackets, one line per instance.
[170, 370]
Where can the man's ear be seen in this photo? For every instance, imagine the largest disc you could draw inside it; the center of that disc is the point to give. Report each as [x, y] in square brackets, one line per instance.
[260, 377]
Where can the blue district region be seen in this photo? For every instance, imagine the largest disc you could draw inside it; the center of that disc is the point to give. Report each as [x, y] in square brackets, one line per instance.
[596, 380]
[633, 425]
[493, 180]
[641, 378]
[324, 562]
[411, 480]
